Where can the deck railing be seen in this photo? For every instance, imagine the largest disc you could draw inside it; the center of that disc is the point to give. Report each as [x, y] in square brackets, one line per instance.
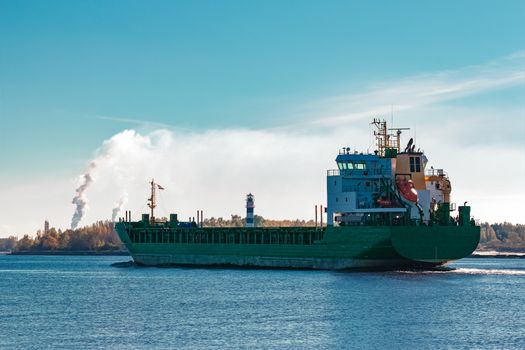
[357, 172]
[279, 236]
[435, 172]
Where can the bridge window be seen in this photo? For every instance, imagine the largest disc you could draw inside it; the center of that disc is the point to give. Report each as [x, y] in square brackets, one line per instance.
[415, 164]
[351, 166]
[345, 166]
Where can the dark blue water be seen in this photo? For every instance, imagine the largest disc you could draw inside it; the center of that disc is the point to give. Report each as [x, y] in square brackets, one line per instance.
[83, 303]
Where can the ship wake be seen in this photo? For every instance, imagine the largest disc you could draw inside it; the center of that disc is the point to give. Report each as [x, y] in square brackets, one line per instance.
[467, 271]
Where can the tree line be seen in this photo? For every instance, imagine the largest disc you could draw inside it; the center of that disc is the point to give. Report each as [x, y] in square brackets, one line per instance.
[259, 221]
[101, 236]
[505, 236]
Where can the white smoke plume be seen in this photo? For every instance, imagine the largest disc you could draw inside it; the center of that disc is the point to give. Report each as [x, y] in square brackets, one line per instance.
[80, 199]
[210, 171]
[118, 207]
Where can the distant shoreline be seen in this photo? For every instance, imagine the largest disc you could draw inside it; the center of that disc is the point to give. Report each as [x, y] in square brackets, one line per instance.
[55, 252]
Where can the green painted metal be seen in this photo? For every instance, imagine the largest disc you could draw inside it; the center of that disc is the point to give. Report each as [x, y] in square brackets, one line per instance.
[435, 244]
[303, 247]
[464, 215]
[442, 215]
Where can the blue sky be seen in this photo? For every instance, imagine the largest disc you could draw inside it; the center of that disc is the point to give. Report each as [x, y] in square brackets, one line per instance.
[75, 73]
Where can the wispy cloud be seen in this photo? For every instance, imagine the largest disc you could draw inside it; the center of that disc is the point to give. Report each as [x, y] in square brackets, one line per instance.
[420, 90]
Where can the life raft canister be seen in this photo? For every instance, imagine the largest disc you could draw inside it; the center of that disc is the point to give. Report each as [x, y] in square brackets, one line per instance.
[407, 190]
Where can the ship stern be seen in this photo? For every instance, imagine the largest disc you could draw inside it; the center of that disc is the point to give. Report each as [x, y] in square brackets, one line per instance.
[436, 245]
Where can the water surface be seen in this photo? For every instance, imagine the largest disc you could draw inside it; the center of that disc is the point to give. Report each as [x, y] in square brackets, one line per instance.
[81, 302]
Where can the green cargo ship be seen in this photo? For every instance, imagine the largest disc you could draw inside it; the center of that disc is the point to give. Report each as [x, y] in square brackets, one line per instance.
[384, 211]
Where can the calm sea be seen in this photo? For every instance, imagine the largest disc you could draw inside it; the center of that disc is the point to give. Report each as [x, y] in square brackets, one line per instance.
[75, 302]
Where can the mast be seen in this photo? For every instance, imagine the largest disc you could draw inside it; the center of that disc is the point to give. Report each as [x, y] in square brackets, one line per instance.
[385, 137]
[381, 135]
[152, 201]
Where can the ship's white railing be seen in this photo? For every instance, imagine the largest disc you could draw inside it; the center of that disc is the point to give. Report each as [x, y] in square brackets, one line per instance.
[435, 172]
[350, 172]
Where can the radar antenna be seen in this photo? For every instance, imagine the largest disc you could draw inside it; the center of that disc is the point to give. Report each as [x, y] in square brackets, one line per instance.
[398, 137]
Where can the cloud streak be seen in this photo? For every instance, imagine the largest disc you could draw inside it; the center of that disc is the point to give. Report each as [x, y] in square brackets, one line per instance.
[420, 90]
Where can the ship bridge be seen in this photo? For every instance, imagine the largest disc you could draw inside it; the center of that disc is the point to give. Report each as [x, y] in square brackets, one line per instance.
[353, 187]
[359, 164]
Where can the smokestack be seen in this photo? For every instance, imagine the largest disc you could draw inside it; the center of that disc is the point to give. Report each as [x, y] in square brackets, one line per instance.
[198, 218]
[250, 204]
[80, 199]
[321, 212]
[118, 207]
[202, 219]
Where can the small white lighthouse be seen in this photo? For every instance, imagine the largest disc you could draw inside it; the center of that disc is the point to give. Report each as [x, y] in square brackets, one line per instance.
[250, 204]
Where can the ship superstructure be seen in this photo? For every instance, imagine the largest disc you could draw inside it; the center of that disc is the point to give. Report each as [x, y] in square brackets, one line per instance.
[384, 210]
[390, 186]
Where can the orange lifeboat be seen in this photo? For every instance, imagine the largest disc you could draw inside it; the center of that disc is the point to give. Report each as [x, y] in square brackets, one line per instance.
[407, 190]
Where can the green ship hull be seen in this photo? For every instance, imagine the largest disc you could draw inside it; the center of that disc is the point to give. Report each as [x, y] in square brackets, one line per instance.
[350, 247]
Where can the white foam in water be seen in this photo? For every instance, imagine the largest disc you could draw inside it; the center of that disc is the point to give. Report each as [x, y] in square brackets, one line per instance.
[470, 271]
[495, 253]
